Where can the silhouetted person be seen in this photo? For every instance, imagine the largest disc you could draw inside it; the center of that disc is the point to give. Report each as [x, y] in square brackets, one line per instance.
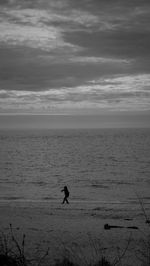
[66, 192]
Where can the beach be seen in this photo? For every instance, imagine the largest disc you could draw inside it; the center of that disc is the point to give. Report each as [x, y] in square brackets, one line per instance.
[76, 230]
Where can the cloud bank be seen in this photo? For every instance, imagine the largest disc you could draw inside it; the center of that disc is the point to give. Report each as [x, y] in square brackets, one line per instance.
[72, 56]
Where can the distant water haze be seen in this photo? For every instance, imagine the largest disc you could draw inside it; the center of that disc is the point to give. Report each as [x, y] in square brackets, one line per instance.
[54, 121]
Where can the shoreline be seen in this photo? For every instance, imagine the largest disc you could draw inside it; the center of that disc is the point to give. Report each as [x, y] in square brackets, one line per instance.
[12, 200]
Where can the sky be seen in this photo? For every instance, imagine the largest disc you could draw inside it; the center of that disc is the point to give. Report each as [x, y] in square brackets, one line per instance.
[83, 58]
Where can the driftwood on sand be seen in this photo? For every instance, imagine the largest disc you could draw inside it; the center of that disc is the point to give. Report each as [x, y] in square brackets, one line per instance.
[108, 227]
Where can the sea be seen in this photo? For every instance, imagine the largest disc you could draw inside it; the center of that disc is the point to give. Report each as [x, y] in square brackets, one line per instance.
[97, 165]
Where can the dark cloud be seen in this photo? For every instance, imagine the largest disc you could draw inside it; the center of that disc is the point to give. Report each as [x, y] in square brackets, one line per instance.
[24, 69]
[59, 4]
[112, 43]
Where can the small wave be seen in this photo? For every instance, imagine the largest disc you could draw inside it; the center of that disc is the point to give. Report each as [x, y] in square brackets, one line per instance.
[39, 183]
[10, 198]
[100, 186]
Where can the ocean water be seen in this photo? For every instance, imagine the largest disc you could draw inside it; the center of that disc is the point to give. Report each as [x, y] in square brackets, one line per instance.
[97, 165]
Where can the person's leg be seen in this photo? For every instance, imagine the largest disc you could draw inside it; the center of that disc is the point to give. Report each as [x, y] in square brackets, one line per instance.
[63, 201]
[67, 200]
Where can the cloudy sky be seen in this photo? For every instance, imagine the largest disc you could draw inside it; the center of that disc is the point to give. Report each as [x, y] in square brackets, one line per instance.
[75, 57]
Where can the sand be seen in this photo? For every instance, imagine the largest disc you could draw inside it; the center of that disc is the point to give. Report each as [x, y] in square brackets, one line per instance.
[77, 230]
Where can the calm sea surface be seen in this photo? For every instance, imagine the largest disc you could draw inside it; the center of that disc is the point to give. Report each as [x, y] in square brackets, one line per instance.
[105, 165]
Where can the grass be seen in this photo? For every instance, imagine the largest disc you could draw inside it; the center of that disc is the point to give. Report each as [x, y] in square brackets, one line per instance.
[67, 262]
[12, 253]
[143, 253]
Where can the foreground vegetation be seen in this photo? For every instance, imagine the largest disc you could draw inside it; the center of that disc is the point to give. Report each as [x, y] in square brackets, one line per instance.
[12, 253]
